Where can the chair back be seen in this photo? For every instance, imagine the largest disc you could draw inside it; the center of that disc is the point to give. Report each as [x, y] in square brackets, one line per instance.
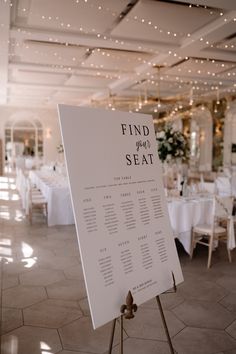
[223, 186]
[223, 206]
[209, 187]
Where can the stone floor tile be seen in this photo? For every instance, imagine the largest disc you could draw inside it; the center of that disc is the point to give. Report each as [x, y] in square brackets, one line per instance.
[51, 244]
[232, 330]
[74, 272]
[23, 296]
[9, 281]
[57, 262]
[65, 229]
[202, 290]
[70, 352]
[229, 301]
[52, 313]
[37, 252]
[203, 314]
[63, 235]
[211, 274]
[17, 267]
[66, 290]
[71, 249]
[84, 305]
[41, 277]
[228, 282]
[143, 346]
[11, 319]
[168, 301]
[79, 335]
[225, 267]
[6, 250]
[202, 341]
[38, 231]
[147, 324]
[31, 340]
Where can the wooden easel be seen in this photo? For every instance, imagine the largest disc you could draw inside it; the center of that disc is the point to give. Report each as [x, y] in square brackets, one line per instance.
[127, 311]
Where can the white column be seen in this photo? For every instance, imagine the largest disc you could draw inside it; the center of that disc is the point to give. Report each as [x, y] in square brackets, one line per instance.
[203, 119]
[230, 136]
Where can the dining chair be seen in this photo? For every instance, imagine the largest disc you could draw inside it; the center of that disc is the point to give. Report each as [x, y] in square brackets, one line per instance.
[223, 186]
[209, 234]
[209, 187]
[36, 201]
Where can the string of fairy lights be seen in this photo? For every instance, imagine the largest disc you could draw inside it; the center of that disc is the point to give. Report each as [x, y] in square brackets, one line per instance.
[198, 84]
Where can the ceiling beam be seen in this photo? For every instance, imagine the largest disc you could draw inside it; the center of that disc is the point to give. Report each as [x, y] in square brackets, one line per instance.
[50, 87]
[89, 40]
[58, 70]
[218, 4]
[189, 47]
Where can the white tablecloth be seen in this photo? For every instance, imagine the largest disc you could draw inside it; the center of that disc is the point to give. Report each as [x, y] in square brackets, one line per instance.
[21, 186]
[185, 213]
[233, 184]
[55, 189]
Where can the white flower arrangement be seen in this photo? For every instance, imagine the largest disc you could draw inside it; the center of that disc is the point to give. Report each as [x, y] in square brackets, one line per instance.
[60, 148]
[172, 145]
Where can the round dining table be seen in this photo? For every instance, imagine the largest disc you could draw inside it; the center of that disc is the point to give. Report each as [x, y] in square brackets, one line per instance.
[186, 212]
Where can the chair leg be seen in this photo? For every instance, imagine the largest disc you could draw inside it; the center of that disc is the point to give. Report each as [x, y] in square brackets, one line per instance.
[30, 216]
[46, 210]
[192, 245]
[229, 255]
[210, 248]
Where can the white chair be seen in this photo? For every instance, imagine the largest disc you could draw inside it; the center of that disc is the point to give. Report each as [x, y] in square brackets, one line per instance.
[20, 162]
[223, 186]
[209, 187]
[29, 163]
[36, 201]
[209, 234]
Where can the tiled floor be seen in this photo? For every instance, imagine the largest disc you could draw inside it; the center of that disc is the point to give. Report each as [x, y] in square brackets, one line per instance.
[44, 306]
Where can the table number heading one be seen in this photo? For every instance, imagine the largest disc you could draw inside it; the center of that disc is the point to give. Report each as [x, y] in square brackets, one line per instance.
[124, 234]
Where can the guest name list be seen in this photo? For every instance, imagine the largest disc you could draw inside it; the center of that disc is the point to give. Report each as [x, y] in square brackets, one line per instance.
[123, 229]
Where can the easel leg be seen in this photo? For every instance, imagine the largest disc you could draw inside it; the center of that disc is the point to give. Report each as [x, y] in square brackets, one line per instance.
[121, 334]
[165, 325]
[127, 310]
[112, 336]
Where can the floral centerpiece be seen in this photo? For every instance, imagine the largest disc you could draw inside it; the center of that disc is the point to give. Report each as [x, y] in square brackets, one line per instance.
[172, 145]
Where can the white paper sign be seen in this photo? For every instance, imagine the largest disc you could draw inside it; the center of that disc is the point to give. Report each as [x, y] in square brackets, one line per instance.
[125, 239]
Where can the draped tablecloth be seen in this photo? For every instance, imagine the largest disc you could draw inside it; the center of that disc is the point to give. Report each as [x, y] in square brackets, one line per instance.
[55, 189]
[188, 212]
[233, 184]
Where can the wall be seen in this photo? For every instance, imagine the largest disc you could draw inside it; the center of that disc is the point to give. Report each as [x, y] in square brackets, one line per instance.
[203, 119]
[49, 120]
[230, 135]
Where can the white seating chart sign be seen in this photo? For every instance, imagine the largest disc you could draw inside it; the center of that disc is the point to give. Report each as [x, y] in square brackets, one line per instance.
[124, 234]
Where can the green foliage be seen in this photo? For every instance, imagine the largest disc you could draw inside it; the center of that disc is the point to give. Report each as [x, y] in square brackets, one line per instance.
[60, 148]
[172, 145]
